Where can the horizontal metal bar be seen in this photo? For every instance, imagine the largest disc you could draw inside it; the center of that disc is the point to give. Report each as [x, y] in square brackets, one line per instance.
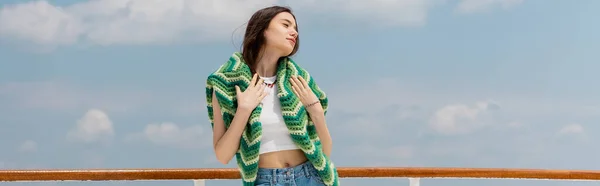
[344, 172]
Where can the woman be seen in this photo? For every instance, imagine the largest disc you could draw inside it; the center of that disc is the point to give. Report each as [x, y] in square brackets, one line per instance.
[268, 111]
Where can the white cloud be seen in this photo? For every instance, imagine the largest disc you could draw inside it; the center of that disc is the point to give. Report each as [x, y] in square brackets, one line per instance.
[573, 133]
[572, 128]
[397, 117]
[170, 135]
[107, 22]
[28, 146]
[110, 22]
[140, 22]
[475, 6]
[460, 118]
[94, 126]
[40, 22]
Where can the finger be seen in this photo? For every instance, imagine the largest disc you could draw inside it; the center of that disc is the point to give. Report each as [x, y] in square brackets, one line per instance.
[299, 85]
[304, 83]
[293, 81]
[237, 90]
[261, 83]
[260, 89]
[253, 82]
[262, 96]
[295, 90]
[263, 93]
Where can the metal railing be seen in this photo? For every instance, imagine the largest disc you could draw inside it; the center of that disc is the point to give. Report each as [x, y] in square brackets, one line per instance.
[201, 174]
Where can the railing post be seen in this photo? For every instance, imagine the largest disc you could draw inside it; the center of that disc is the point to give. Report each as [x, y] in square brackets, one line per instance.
[413, 181]
[199, 183]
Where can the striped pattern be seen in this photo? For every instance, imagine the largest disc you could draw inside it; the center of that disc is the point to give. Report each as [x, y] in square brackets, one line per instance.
[301, 128]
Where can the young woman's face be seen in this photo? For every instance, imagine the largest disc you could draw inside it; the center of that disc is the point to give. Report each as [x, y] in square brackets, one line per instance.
[281, 34]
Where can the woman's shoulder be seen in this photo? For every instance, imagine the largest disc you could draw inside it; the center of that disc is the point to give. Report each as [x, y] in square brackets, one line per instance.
[231, 68]
[223, 68]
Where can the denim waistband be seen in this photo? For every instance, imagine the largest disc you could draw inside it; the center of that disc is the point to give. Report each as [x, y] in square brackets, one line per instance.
[303, 169]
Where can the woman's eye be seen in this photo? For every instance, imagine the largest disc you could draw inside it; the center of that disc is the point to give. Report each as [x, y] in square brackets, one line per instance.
[286, 25]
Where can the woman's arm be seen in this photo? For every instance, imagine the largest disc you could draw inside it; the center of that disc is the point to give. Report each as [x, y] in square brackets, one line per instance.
[317, 115]
[315, 110]
[226, 142]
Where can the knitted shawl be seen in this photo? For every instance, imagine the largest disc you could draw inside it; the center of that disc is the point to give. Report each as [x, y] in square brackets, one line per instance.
[301, 128]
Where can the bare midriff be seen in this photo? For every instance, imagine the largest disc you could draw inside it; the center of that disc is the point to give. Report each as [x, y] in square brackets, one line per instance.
[282, 159]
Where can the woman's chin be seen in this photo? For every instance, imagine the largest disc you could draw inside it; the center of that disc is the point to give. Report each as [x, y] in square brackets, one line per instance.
[284, 50]
[287, 51]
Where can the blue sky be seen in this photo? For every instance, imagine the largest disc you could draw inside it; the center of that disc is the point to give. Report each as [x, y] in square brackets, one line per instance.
[435, 83]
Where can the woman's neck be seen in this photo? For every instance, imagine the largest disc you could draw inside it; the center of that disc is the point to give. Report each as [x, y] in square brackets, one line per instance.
[266, 65]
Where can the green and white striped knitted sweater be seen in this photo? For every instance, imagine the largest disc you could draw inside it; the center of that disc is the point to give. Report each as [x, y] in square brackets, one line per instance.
[301, 128]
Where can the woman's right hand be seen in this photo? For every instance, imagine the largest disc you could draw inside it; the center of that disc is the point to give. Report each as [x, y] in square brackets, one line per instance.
[252, 96]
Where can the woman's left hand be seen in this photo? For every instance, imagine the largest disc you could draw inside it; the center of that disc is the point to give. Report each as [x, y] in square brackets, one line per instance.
[305, 93]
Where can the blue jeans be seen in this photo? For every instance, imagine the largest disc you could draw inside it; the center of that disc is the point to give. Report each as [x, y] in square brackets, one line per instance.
[302, 175]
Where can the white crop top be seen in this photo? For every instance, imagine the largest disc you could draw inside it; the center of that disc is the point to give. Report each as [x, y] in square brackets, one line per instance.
[275, 135]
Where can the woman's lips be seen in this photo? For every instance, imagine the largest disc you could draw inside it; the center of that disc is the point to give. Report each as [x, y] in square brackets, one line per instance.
[293, 41]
